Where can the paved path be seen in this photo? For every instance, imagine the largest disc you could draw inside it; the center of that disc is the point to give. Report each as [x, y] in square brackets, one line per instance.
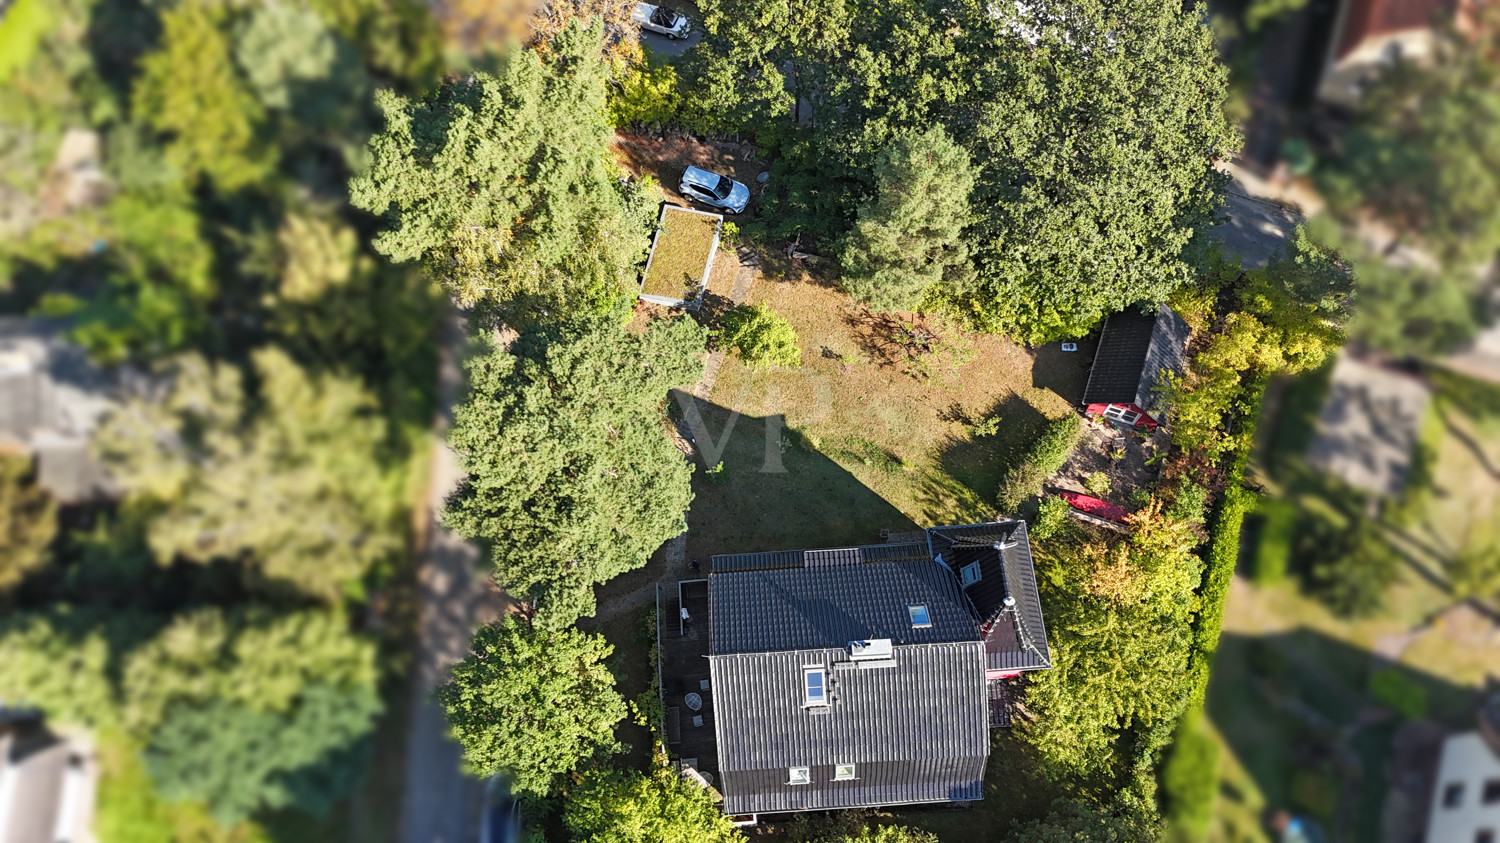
[441, 804]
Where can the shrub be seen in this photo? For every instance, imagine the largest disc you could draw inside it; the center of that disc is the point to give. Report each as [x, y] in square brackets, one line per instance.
[1051, 517]
[1274, 552]
[718, 475]
[760, 337]
[1189, 503]
[1098, 484]
[1046, 455]
[648, 95]
[1352, 569]
[1190, 778]
[1393, 688]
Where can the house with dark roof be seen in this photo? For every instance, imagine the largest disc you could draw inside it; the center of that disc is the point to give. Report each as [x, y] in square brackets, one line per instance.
[1136, 352]
[851, 677]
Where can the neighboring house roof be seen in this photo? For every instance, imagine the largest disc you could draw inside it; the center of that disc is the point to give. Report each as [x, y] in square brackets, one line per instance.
[1464, 800]
[1368, 427]
[1363, 19]
[907, 697]
[46, 789]
[51, 400]
[1135, 349]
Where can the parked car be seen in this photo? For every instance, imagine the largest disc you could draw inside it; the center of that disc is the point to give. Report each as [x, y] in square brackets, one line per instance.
[714, 190]
[501, 822]
[661, 20]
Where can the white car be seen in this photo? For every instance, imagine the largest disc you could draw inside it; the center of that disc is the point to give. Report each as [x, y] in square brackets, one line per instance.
[714, 190]
[660, 20]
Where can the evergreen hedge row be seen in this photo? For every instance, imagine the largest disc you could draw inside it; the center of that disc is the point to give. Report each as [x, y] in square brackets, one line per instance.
[1046, 455]
[1190, 778]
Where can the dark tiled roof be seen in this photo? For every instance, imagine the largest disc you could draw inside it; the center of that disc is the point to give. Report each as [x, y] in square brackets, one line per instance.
[1134, 349]
[831, 599]
[1017, 635]
[916, 730]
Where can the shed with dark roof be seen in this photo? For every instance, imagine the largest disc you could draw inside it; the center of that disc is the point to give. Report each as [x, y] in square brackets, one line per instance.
[1136, 353]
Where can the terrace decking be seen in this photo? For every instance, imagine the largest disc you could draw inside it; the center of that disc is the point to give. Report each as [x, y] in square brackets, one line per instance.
[684, 669]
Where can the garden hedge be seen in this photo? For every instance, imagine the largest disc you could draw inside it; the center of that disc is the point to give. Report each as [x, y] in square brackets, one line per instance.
[1023, 480]
[1274, 553]
[1190, 778]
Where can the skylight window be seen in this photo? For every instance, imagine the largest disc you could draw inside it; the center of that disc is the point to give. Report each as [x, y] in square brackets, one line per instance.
[919, 617]
[843, 772]
[970, 574]
[798, 775]
[815, 683]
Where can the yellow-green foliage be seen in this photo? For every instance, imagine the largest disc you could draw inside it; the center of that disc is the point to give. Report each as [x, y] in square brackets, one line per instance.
[647, 96]
[26, 23]
[760, 336]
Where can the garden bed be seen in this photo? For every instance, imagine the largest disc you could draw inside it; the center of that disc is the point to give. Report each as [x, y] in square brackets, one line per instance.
[682, 255]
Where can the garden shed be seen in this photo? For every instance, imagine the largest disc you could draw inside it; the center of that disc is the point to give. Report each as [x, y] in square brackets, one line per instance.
[1136, 353]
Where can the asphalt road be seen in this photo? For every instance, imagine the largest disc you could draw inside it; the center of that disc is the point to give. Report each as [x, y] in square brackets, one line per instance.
[1255, 229]
[441, 804]
[664, 46]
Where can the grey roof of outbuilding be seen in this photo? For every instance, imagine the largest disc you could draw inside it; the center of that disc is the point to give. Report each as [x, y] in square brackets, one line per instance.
[917, 730]
[1017, 638]
[832, 598]
[1135, 349]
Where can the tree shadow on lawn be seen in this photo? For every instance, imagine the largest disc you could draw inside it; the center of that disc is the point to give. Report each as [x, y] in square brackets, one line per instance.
[779, 492]
[1294, 707]
[977, 462]
[1064, 372]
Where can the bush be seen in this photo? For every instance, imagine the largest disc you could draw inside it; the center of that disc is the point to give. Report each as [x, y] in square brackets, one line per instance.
[760, 337]
[1051, 517]
[1046, 455]
[1098, 484]
[1190, 778]
[1189, 504]
[1393, 688]
[648, 95]
[1274, 553]
[1352, 569]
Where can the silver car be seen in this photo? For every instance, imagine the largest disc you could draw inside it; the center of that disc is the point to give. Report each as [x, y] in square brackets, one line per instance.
[661, 20]
[714, 190]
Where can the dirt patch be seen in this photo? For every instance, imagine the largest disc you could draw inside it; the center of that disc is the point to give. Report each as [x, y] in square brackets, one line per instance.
[664, 157]
[680, 258]
[1127, 458]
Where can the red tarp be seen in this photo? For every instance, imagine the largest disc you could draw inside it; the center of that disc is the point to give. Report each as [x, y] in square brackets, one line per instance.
[1094, 506]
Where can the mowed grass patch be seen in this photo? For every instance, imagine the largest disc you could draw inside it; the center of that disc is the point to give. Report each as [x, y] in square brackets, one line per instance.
[679, 260]
[862, 437]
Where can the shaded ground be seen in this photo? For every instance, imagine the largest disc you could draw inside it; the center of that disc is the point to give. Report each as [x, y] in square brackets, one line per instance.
[665, 157]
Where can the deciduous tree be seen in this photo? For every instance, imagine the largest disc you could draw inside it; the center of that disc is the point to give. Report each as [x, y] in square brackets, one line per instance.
[189, 90]
[610, 806]
[295, 487]
[571, 477]
[28, 521]
[532, 703]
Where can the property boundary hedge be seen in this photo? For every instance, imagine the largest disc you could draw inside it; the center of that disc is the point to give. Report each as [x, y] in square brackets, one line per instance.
[1046, 455]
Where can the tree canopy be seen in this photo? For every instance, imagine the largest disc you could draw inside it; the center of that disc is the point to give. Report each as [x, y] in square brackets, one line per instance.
[532, 703]
[1092, 129]
[571, 477]
[28, 521]
[908, 237]
[296, 483]
[611, 806]
[502, 185]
